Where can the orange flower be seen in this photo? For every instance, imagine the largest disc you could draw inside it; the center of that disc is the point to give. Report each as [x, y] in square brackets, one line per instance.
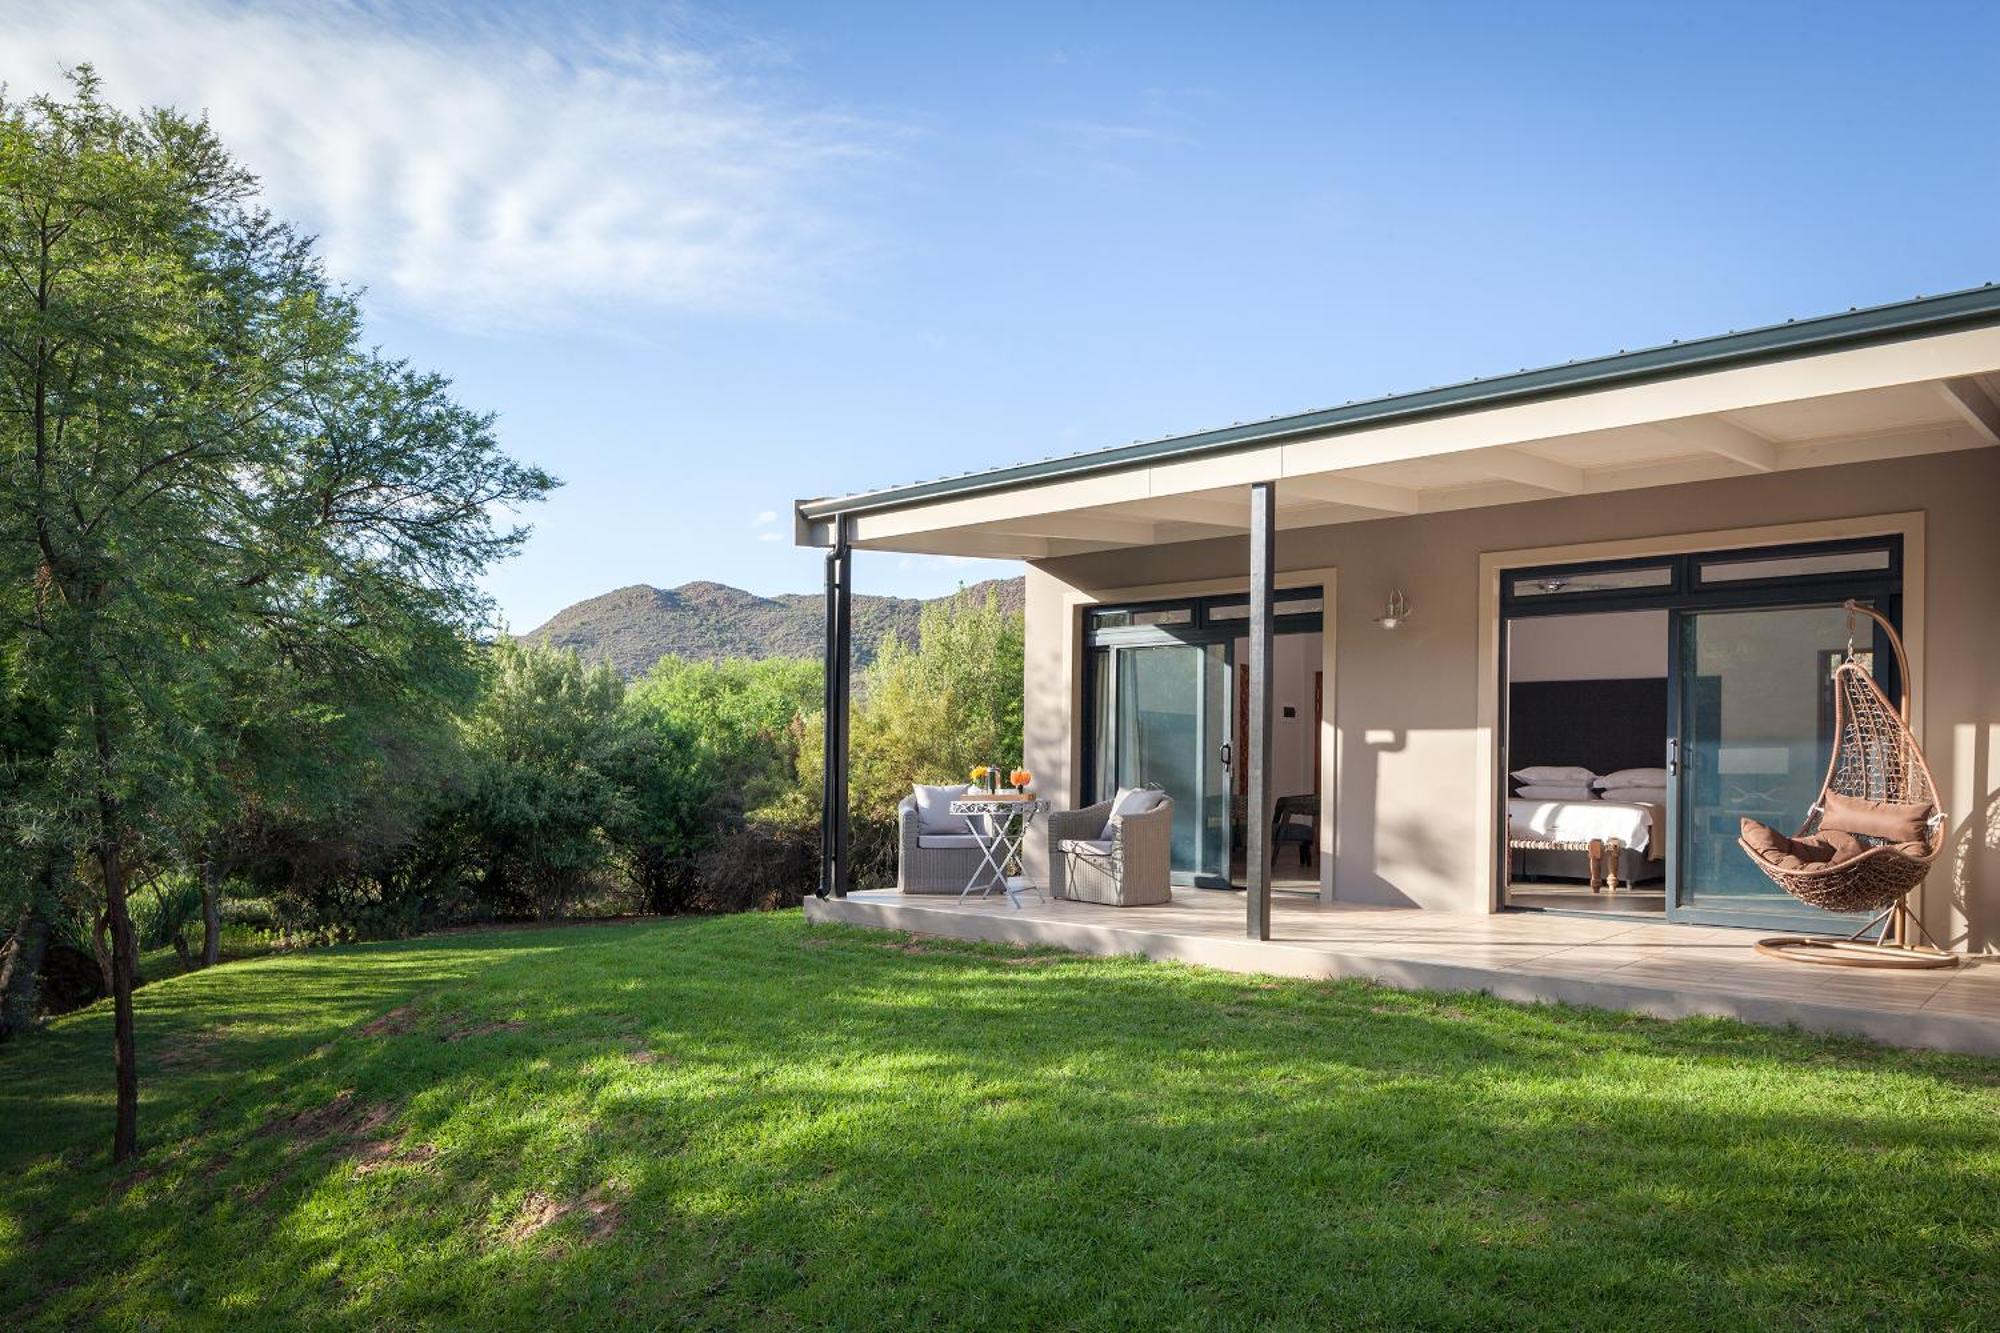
[1020, 777]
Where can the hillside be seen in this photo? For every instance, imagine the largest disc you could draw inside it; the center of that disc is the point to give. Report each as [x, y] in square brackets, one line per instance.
[634, 627]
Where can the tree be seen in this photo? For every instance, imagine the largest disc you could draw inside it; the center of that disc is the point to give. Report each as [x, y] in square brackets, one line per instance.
[548, 749]
[210, 485]
[717, 741]
[927, 714]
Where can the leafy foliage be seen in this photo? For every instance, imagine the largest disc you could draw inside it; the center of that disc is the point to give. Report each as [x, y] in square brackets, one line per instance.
[927, 714]
[232, 515]
[546, 746]
[240, 620]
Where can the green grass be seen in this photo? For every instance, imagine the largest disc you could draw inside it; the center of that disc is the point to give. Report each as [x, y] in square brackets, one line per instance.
[748, 1122]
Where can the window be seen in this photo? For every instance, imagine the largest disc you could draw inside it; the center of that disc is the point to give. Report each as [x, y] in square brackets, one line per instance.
[1301, 603]
[1562, 582]
[1126, 617]
[1201, 619]
[1737, 569]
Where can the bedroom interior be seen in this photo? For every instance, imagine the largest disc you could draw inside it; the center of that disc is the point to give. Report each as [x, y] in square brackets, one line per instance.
[1586, 704]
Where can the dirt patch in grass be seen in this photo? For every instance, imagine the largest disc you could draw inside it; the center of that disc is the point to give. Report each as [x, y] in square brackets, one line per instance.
[601, 1217]
[340, 1118]
[602, 1211]
[458, 1029]
[404, 1020]
[401, 1019]
[537, 1213]
[372, 1157]
[194, 1053]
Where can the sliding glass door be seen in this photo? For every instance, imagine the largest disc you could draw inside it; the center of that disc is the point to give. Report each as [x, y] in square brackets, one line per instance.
[1754, 724]
[1157, 703]
[1163, 720]
[1752, 637]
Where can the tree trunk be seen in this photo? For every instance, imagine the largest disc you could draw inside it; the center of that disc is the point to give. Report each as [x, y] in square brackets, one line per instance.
[211, 913]
[124, 968]
[118, 916]
[20, 975]
[100, 947]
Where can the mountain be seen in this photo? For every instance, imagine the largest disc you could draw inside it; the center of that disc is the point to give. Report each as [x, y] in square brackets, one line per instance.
[634, 627]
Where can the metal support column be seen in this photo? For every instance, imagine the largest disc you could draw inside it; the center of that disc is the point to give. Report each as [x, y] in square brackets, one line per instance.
[1257, 839]
[833, 819]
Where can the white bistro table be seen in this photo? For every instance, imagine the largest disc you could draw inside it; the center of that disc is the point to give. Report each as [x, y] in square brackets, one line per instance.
[1000, 825]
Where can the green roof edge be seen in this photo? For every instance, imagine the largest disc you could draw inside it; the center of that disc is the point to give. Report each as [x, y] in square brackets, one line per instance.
[1970, 308]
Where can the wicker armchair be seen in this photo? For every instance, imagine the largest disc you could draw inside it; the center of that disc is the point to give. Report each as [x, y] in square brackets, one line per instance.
[934, 869]
[1127, 869]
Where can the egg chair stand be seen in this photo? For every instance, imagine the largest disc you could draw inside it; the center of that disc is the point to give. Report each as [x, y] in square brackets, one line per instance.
[1875, 758]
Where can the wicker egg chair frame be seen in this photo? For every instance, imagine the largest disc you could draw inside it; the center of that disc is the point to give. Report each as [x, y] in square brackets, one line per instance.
[1875, 758]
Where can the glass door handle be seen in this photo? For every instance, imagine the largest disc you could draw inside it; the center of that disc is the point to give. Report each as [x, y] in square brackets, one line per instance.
[1673, 756]
[1225, 754]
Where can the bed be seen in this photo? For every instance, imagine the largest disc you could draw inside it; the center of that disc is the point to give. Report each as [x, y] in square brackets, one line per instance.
[1605, 726]
[1618, 840]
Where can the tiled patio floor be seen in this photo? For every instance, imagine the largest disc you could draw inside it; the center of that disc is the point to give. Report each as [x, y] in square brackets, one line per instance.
[1613, 963]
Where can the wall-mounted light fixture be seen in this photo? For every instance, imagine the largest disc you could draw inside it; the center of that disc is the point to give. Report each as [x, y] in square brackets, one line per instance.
[1396, 613]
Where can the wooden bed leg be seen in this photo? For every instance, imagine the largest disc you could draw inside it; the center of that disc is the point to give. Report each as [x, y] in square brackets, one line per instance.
[1596, 854]
[1612, 850]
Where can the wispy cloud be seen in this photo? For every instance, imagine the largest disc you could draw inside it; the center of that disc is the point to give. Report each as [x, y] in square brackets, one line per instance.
[493, 170]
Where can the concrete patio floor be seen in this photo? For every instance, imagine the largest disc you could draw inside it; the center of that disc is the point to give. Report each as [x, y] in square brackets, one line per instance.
[1609, 962]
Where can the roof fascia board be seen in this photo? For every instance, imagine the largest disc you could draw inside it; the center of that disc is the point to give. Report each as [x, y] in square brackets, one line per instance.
[1902, 322]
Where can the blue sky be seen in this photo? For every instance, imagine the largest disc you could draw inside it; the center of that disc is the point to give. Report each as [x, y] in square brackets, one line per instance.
[705, 260]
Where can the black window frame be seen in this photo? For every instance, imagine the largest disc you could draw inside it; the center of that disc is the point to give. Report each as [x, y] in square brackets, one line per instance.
[1687, 588]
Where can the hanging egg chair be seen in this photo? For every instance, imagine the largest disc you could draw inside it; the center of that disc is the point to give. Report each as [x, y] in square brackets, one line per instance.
[1871, 837]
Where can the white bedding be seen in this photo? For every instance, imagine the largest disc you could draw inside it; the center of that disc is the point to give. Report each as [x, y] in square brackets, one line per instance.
[1630, 822]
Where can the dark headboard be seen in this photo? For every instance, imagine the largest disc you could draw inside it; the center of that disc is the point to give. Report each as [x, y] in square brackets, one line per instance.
[1604, 725]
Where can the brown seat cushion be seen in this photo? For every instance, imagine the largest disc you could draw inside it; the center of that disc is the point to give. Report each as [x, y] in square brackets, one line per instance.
[1891, 821]
[1764, 840]
[1827, 847]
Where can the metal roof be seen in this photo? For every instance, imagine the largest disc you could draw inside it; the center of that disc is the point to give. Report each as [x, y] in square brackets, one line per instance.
[1973, 307]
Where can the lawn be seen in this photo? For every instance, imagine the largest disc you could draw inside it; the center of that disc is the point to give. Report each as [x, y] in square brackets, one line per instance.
[749, 1122]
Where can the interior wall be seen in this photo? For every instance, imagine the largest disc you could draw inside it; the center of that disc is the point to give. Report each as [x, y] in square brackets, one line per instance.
[1410, 751]
[1294, 659]
[1617, 645]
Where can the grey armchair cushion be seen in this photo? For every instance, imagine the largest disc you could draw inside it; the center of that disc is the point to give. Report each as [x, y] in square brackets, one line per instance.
[934, 809]
[940, 842]
[1088, 846]
[1131, 801]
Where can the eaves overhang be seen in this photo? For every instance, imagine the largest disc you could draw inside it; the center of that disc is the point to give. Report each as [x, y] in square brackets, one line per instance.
[1922, 316]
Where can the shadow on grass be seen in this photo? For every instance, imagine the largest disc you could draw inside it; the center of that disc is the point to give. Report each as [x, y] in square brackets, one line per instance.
[841, 1127]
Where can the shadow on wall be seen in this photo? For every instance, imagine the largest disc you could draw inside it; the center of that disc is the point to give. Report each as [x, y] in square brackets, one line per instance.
[1045, 742]
[1357, 877]
[1977, 840]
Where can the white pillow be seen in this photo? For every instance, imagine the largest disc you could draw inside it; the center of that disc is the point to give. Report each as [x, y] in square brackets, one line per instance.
[1564, 774]
[1580, 791]
[1633, 777]
[934, 816]
[1132, 801]
[1637, 795]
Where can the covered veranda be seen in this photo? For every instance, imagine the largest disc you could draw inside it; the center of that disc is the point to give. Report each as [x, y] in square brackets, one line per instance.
[1874, 422]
